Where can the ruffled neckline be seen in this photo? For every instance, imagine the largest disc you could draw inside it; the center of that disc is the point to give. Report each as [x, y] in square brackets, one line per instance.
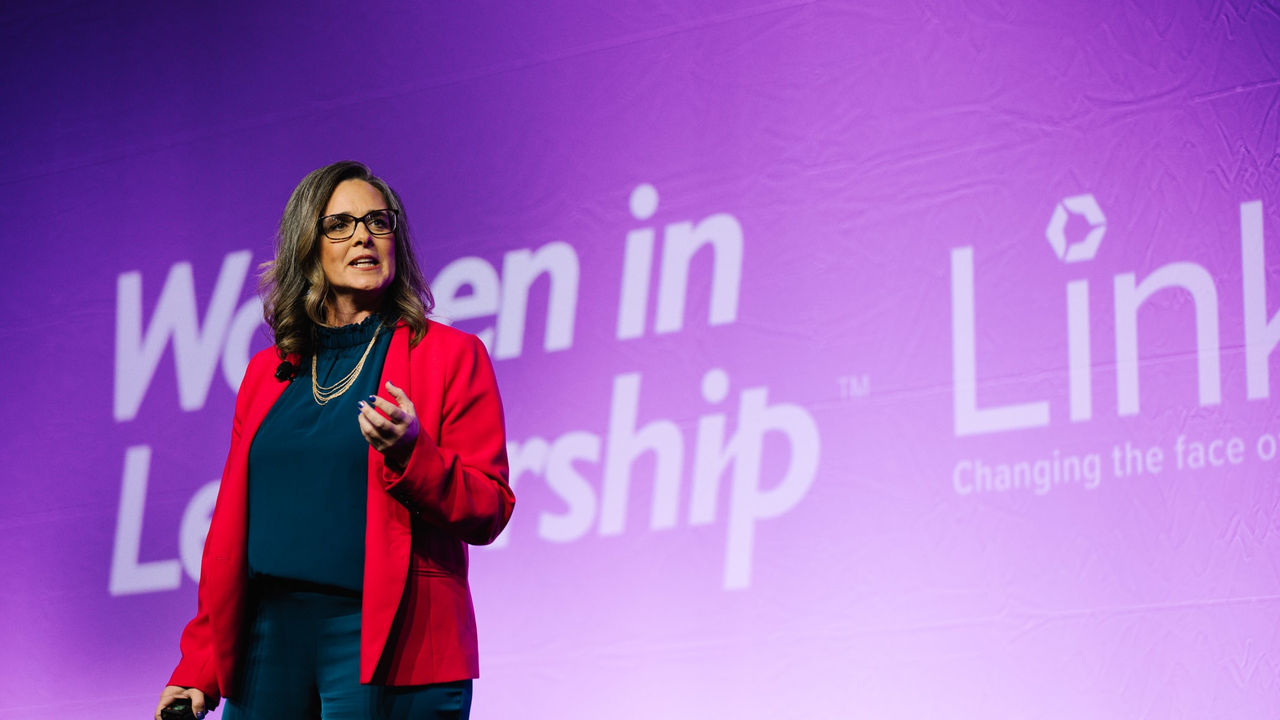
[337, 338]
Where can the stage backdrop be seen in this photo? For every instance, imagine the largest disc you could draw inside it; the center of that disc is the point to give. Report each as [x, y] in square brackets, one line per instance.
[860, 360]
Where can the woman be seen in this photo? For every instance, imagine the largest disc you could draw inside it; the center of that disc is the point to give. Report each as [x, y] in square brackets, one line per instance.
[334, 577]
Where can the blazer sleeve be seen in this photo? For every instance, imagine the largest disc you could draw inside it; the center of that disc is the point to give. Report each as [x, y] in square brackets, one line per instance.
[460, 483]
[198, 666]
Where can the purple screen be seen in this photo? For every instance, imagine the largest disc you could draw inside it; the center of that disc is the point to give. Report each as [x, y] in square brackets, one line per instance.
[882, 359]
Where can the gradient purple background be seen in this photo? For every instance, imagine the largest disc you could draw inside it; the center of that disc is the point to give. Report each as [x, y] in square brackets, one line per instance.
[856, 144]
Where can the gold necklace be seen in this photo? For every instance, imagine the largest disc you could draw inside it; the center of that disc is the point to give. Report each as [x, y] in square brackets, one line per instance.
[325, 394]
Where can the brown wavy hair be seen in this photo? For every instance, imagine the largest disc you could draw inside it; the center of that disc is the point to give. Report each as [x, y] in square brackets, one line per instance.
[293, 286]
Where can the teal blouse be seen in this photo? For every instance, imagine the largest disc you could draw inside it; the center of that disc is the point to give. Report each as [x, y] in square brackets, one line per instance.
[308, 467]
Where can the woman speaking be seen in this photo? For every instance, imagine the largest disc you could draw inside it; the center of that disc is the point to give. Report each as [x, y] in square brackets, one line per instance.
[367, 450]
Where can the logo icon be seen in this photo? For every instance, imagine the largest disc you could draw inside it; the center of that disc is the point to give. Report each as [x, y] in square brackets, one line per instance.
[1087, 207]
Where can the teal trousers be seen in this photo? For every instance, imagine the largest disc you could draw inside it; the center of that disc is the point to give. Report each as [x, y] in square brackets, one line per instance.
[302, 662]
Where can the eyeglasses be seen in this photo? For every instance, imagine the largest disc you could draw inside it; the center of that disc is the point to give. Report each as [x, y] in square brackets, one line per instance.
[342, 226]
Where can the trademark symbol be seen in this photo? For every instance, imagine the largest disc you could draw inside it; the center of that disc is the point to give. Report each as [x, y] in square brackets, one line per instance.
[854, 386]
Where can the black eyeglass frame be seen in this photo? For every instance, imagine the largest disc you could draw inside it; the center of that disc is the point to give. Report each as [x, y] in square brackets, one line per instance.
[392, 213]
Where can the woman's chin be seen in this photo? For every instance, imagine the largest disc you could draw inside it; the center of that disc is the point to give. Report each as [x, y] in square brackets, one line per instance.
[365, 287]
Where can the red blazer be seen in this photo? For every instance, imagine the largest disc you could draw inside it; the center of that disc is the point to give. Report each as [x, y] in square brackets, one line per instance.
[453, 491]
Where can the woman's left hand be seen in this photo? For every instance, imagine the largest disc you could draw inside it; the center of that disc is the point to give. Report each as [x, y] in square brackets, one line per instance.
[393, 431]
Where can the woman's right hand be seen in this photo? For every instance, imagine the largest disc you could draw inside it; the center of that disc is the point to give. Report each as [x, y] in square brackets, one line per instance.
[173, 692]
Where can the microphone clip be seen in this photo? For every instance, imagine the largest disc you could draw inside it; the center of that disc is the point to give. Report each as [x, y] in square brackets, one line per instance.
[286, 371]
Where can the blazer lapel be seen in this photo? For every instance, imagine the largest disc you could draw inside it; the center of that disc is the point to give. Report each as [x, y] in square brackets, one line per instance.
[388, 539]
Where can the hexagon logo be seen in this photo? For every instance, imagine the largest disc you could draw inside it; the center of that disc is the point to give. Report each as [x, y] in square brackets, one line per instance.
[1087, 207]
